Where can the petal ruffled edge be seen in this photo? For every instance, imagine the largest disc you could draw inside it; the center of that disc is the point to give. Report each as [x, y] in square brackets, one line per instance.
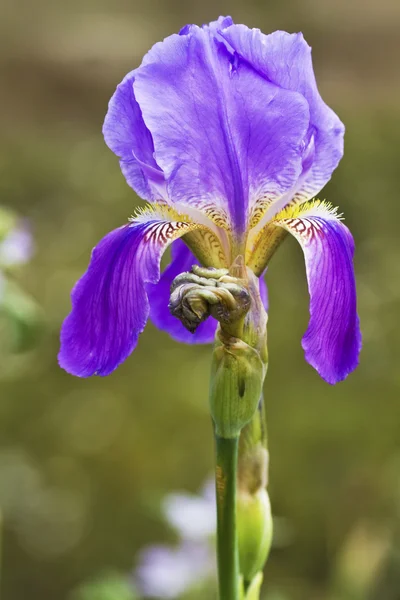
[285, 59]
[126, 134]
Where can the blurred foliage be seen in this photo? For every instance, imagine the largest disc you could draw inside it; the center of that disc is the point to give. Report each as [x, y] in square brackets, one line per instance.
[20, 317]
[107, 587]
[84, 463]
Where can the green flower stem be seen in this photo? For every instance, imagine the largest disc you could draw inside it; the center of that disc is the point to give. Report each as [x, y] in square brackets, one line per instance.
[239, 365]
[227, 544]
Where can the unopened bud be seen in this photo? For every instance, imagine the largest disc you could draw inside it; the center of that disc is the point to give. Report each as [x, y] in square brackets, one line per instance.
[254, 523]
[253, 589]
[237, 376]
[240, 357]
[207, 292]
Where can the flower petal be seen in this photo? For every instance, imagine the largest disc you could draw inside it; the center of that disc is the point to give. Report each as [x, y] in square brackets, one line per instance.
[264, 293]
[220, 23]
[128, 137]
[158, 294]
[215, 26]
[109, 303]
[222, 133]
[332, 342]
[285, 60]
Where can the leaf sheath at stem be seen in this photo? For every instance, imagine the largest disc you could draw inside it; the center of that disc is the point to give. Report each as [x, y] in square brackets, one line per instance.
[227, 544]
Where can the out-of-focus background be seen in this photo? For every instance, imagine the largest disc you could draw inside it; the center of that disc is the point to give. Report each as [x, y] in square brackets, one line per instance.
[85, 464]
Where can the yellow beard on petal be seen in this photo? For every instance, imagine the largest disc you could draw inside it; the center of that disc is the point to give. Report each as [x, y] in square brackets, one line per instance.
[205, 238]
[262, 243]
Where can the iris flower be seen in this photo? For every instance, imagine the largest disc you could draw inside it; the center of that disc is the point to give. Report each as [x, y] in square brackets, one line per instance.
[223, 131]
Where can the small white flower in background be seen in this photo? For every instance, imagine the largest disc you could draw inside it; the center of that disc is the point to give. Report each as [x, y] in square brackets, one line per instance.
[16, 248]
[194, 517]
[18, 310]
[168, 572]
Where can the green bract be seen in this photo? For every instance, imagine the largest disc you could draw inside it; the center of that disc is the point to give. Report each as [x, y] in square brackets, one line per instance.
[237, 376]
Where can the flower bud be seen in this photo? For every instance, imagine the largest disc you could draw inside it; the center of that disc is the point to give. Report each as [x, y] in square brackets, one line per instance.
[254, 523]
[253, 590]
[237, 376]
[240, 356]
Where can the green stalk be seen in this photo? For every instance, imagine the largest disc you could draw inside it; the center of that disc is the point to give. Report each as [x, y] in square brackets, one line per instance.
[227, 544]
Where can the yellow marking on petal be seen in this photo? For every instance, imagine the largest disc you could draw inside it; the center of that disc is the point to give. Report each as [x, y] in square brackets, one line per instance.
[165, 232]
[204, 242]
[159, 211]
[262, 244]
[258, 211]
[214, 219]
[217, 216]
[315, 207]
[207, 248]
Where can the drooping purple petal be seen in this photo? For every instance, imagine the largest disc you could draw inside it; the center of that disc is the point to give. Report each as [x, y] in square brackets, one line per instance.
[109, 303]
[332, 342]
[158, 294]
[285, 60]
[128, 137]
[222, 133]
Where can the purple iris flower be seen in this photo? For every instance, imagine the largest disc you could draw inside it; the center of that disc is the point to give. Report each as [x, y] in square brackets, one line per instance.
[223, 131]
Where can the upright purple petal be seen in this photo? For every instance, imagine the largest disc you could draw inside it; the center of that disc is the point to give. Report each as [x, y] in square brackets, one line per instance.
[214, 26]
[182, 260]
[109, 303]
[128, 137]
[220, 23]
[332, 342]
[222, 133]
[285, 60]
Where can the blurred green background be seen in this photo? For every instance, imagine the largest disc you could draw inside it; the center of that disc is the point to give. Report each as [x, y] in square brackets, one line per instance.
[85, 463]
